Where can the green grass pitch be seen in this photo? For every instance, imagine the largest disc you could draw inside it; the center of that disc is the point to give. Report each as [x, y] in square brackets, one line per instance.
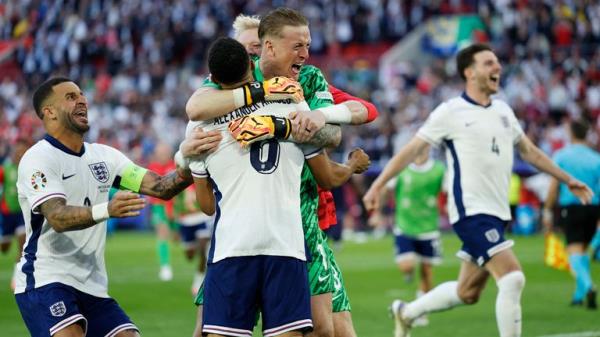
[166, 309]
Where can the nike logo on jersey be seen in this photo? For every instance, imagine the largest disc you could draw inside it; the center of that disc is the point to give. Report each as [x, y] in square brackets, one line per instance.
[64, 177]
[321, 279]
[467, 124]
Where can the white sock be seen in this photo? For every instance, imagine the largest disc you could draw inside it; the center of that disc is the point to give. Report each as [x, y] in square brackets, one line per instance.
[508, 303]
[442, 297]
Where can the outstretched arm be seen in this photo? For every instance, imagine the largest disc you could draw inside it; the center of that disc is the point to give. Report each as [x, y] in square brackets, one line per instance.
[167, 186]
[394, 166]
[63, 217]
[537, 158]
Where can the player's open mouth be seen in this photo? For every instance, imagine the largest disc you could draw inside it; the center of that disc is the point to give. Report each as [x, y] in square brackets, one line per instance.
[495, 78]
[296, 68]
[81, 115]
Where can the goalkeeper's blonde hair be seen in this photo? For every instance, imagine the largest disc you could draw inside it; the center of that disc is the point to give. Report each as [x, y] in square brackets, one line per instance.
[273, 22]
[244, 22]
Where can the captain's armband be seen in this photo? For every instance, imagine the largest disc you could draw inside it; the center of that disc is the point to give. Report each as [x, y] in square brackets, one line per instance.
[131, 177]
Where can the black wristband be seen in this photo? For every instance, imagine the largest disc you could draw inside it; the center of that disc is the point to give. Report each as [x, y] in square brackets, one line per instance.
[283, 127]
[254, 91]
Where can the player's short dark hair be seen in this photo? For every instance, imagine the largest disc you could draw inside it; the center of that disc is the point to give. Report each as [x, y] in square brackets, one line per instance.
[579, 128]
[273, 23]
[466, 57]
[44, 91]
[228, 61]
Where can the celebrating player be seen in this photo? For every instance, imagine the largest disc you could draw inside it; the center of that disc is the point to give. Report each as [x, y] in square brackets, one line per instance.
[266, 252]
[479, 133]
[63, 185]
[285, 39]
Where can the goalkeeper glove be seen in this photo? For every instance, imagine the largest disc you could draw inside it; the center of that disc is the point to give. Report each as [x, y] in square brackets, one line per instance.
[277, 88]
[253, 128]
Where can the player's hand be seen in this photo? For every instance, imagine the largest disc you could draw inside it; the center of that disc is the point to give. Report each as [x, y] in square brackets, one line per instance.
[372, 199]
[305, 124]
[276, 88]
[125, 204]
[254, 128]
[200, 142]
[358, 160]
[283, 88]
[581, 191]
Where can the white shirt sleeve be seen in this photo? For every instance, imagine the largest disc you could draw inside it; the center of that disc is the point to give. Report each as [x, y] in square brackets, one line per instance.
[435, 129]
[39, 179]
[117, 159]
[310, 151]
[515, 126]
[198, 168]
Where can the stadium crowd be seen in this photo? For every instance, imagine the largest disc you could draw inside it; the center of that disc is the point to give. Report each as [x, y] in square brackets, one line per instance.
[139, 61]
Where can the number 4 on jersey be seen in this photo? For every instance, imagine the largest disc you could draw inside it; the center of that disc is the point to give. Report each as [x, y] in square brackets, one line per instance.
[495, 148]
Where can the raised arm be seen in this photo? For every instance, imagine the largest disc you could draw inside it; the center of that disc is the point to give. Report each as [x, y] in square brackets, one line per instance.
[63, 217]
[398, 163]
[537, 158]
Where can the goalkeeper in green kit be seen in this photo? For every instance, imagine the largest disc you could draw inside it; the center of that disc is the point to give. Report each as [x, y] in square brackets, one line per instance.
[285, 38]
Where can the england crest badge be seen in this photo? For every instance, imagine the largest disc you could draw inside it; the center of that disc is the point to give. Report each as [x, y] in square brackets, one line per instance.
[58, 309]
[100, 171]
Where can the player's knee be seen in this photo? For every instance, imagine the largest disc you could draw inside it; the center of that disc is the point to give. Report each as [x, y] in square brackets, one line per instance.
[513, 281]
[469, 295]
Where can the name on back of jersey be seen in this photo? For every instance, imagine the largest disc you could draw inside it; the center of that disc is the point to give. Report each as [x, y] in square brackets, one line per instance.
[246, 110]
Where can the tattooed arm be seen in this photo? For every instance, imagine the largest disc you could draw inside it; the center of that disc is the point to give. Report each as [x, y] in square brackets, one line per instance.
[63, 217]
[66, 218]
[167, 186]
[328, 136]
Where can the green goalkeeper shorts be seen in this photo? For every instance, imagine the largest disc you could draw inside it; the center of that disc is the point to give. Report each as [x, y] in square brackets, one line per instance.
[340, 299]
[320, 275]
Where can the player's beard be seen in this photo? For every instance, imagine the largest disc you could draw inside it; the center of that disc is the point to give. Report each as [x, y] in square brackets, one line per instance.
[485, 86]
[72, 124]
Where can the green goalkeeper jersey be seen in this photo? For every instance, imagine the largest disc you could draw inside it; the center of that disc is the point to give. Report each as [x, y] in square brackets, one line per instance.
[417, 189]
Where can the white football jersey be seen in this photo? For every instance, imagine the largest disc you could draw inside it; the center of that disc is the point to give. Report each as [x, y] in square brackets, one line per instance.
[257, 189]
[479, 152]
[75, 258]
